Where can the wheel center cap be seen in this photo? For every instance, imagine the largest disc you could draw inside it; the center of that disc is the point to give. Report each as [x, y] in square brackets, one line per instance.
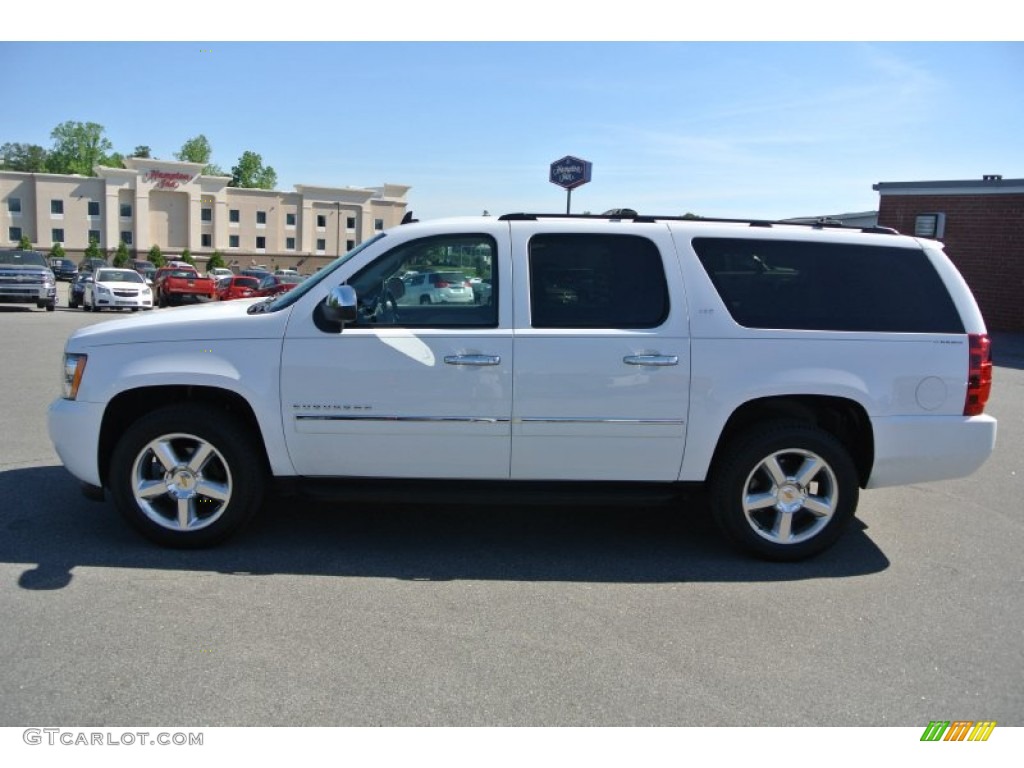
[790, 497]
[181, 482]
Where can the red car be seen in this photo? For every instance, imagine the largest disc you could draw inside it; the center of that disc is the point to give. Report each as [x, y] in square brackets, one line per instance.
[237, 288]
[272, 285]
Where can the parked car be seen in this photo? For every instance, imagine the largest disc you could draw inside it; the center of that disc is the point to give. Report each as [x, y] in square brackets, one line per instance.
[64, 269]
[240, 287]
[76, 291]
[113, 288]
[26, 278]
[272, 285]
[176, 285]
[91, 265]
[437, 288]
[220, 272]
[784, 367]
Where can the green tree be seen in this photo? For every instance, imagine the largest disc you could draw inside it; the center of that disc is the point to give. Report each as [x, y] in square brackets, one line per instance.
[121, 255]
[186, 255]
[93, 251]
[30, 158]
[216, 260]
[24, 244]
[250, 173]
[142, 151]
[57, 251]
[113, 160]
[156, 256]
[198, 150]
[78, 148]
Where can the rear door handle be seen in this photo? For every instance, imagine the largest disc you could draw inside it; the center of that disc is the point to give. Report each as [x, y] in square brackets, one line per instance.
[651, 360]
[473, 359]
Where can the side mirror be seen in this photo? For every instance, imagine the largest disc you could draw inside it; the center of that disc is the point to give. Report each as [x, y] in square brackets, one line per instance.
[340, 306]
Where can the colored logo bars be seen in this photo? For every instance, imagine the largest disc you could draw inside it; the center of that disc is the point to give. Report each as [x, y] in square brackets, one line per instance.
[958, 730]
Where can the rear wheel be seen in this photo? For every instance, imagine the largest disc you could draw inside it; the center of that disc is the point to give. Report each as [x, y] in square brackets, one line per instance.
[785, 491]
[187, 475]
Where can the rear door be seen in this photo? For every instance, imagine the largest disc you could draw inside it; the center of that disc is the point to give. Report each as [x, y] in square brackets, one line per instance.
[602, 352]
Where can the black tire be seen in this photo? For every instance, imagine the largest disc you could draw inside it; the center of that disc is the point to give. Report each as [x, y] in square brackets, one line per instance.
[162, 301]
[215, 499]
[51, 307]
[424, 299]
[784, 491]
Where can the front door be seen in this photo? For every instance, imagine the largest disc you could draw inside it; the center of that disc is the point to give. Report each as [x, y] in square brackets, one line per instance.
[418, 387]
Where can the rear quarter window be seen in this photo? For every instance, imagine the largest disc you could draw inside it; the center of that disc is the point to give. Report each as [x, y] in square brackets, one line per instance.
[828, 286]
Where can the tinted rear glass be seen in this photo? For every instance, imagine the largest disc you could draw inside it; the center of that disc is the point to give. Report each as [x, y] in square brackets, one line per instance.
[596, 281]
[828, 286]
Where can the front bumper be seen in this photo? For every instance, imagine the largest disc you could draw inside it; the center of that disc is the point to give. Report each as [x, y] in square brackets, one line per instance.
[74, 428]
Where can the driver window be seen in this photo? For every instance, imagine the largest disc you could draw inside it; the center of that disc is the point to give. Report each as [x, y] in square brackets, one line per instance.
[436, 282]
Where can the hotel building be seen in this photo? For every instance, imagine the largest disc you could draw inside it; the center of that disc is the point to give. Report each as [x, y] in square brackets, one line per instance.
[172, 205]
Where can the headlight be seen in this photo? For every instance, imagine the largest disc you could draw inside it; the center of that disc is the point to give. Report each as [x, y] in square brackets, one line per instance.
[74, 368]
[101, 289]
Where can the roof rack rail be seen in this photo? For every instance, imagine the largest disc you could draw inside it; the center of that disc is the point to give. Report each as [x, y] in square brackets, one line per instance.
[620, 214]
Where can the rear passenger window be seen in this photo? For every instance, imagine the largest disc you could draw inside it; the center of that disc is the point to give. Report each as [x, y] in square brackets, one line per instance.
[828, 286]
[596, 281]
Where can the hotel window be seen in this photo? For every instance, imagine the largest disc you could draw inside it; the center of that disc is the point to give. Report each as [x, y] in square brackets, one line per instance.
[56, 207]
[261, 243]
[126, 210]
[350, 244]
[232, 241]
[321, 221]
[94, 234]
[350, 223]
[289, 244]
[14, 234]
[378, 224]
[207, 240]
[321, 245]
[206, 214]
[233, 216]
[57, 235]
[289, 219]
[126, 237]
[261, 218]
[94, 208]
[14, 205]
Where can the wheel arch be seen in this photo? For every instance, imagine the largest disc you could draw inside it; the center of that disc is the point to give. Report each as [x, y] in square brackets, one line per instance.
[843, 418]
[127, 406]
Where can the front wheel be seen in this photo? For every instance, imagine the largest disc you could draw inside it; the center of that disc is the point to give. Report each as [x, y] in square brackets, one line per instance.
[187, 475]
[785, 491]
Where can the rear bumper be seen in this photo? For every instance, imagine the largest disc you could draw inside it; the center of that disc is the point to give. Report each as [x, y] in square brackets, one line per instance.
[917, 449]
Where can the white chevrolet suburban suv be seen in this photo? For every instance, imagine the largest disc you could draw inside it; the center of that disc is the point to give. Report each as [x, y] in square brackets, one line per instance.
[784, 367]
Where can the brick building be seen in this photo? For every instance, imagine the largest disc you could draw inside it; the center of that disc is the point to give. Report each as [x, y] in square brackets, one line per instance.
[981, 223]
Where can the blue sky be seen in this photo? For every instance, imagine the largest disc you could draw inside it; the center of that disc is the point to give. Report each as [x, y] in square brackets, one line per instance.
[774, 129]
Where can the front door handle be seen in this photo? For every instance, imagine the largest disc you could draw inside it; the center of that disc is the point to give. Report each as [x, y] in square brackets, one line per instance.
[472, 359]
[651, 360]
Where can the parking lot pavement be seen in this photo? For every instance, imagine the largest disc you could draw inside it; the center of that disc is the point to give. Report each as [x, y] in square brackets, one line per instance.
[374, 614]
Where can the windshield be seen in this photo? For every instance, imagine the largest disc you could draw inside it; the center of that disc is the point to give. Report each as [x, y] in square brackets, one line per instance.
[288, 298]
[23, 259]
[118, 276]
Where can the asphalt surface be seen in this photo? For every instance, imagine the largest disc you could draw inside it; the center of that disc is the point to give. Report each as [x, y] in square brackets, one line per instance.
[408, 615]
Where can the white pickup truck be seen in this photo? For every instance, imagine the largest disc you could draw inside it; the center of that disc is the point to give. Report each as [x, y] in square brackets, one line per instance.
[786, 367]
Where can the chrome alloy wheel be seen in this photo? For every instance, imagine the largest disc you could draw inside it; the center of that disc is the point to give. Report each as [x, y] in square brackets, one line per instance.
[181, 482]
[790, 496]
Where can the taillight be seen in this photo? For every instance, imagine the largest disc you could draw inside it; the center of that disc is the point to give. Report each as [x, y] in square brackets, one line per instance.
[979, 374]
[442, 284]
